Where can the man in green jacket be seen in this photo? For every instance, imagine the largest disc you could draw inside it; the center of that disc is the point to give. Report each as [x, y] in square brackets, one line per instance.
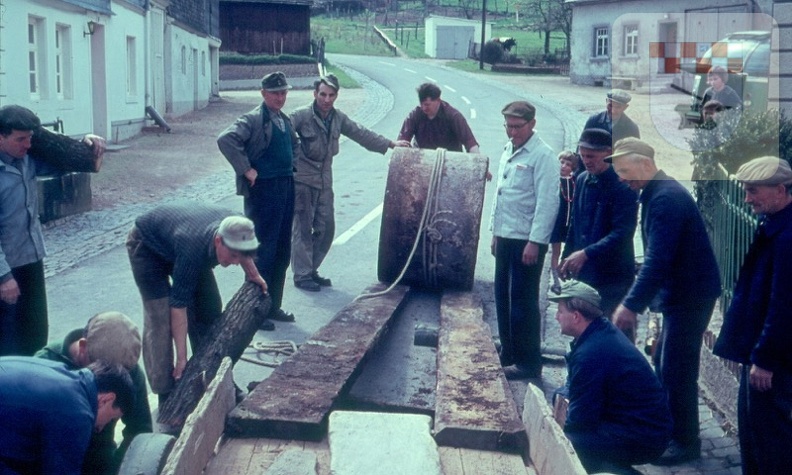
[112, 338]
[319, 126]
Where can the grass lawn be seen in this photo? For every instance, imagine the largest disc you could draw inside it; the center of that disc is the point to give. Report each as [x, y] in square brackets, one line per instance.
[347, 37]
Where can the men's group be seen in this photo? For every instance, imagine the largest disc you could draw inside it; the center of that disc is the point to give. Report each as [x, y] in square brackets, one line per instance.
[584, 206]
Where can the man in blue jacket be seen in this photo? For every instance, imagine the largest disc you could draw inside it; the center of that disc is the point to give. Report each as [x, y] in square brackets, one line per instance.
[599, 247]
[757, 326]
[618, 413]
[48, 413]
[680, 270]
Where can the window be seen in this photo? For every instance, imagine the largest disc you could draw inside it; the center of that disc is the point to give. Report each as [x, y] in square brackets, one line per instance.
[183, 60]
[63, 59]
[631, 40]
[34, 56]
[131, 80]
[203, 63]
[601, 41]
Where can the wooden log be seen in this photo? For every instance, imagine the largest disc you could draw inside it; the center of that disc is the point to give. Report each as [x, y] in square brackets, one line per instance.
[227, 337]
[474, 406]
[63, 152]
[295, 400]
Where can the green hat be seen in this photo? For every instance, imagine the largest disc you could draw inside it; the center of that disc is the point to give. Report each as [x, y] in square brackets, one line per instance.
[628, 146]
[576, 289]
[274, 82]
[765, 171]
[522, 109]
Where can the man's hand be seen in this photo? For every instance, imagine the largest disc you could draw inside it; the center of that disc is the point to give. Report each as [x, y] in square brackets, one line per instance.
[99, 146]
[252, 273]
[626, 320]
[9, 291]
[400, 143]
[251, 176]
[760, 379]
[572, 264]
[530, 254]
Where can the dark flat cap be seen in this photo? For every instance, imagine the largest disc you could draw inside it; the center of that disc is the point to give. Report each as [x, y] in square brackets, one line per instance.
[596, 139]
[766, 171]
[617, 95]
[522, 109]
[274, 82]
[628, 146]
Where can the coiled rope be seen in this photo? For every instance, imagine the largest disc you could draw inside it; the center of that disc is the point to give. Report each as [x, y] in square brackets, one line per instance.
[433, 234]
[276, 351]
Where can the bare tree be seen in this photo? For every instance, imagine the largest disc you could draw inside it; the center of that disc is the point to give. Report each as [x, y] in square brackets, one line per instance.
[547, 16]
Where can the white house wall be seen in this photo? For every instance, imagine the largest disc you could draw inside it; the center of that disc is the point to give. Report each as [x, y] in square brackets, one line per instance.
[191, 77]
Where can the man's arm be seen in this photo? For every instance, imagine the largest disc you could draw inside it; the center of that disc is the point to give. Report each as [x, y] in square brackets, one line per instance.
[178, 323]
[231, 143]
[623, 221]
[407, 131]
[366, 138]
[547, 174]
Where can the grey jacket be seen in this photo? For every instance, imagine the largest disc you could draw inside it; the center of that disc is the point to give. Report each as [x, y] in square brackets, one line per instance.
[247, 138]
[314, 158]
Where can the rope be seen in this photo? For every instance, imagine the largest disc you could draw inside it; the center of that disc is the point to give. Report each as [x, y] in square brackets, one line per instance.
[273, 350]
[431, 198]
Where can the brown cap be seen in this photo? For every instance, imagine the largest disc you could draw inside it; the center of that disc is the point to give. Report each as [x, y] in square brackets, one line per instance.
[330, 80]
[630, 145]
[274, 82]
[238, 233]
[522, 109]
[766, 171]
[113, 338]
[622, 97]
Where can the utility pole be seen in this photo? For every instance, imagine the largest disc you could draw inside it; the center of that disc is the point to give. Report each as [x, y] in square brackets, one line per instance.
[483, 32]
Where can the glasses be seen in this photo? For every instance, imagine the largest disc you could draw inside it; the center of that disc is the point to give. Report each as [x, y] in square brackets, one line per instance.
[515, 126]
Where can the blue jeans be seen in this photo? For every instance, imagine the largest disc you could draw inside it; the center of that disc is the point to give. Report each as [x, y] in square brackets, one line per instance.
[270, 205]
[676, 361]
[517, 304]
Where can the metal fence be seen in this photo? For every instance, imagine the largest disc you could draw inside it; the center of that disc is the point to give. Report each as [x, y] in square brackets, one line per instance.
[733, 226]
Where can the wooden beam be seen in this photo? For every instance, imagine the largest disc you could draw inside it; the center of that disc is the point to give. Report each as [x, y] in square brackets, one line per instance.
[295, 400]
[475, 408]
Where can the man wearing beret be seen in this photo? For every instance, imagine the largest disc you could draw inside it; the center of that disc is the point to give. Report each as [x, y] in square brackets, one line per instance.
[435, 124]
[613, 119]
[680, 269]
[319, 126]
[523, 216]
[618, 412]
[757, 326]
[599, 247]
[261, 146]
[113, 338]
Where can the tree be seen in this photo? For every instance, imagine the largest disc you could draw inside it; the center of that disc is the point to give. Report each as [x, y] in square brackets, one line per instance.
[548, 16]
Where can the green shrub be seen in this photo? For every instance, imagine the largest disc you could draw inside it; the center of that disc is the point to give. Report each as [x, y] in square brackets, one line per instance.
[236, 58]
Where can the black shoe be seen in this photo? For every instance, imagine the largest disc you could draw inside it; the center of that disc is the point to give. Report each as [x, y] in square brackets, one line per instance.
[677, 453]
[521, 372]
[280, 316]
[267, 325]
[322, 281]
[308, 285]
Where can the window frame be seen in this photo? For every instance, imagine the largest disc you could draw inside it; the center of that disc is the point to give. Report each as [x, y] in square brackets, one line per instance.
[601, 41]
[631, 35]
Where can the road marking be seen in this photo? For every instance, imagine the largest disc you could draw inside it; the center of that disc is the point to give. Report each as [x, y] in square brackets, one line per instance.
[410, 71]
[387, 64]
[467, 101]
[430, 79]
[450, 88]
[472, 113]
[357, 227]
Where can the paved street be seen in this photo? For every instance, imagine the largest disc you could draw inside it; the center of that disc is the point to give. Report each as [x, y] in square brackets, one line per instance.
[87, 267]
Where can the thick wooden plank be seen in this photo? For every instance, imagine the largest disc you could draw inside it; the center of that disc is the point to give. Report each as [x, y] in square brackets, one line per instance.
[204, 426]
[475, 408]
[457, 461]
[551, 452]
[295, 401]
[233, 458]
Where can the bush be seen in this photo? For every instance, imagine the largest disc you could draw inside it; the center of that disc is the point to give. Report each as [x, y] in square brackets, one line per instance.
[236, 58]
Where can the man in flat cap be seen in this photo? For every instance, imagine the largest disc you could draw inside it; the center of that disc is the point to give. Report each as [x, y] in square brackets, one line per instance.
[173, 250]
[261, 146]
[618, 411]
[319, 126]
[523, 216]
[599, 247]
[435, 124]
[113, 338]
[680, 269]
[757, 326]
[613, 119]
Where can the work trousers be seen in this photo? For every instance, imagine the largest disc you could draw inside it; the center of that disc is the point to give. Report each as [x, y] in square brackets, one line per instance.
[517, 304]
[152, 276]
[313, 231]
[676, 360]
[24, 325]
[606, 453]
[765, 425]
[270, 205]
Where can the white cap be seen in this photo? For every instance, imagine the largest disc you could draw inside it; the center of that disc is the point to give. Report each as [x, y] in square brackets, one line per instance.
[238, 233]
